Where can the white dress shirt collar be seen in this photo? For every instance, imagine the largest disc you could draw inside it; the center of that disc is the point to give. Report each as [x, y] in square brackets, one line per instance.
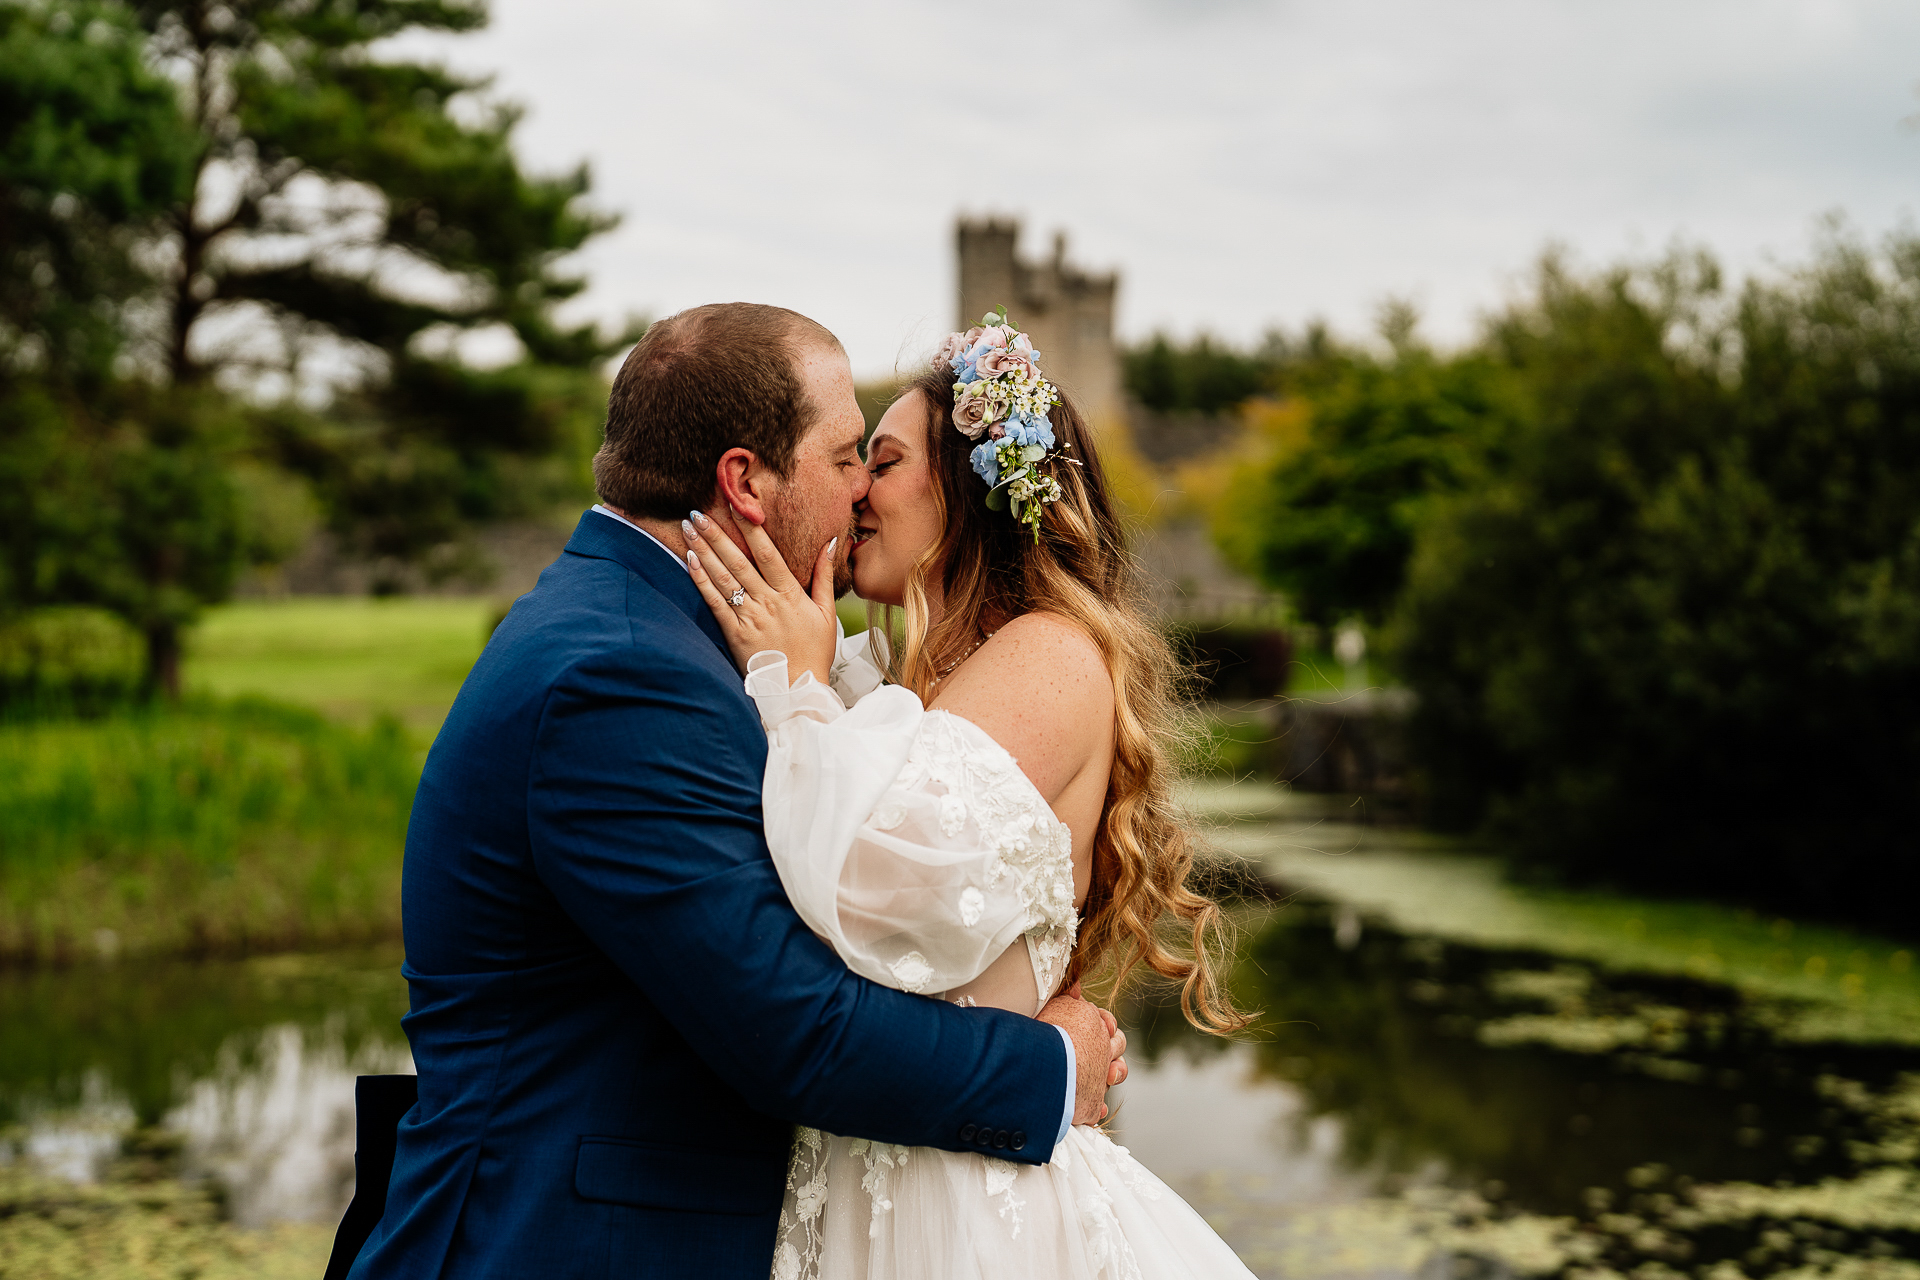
[615, 515]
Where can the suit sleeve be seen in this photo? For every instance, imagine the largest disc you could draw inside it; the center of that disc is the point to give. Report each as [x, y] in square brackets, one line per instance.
[645, 822]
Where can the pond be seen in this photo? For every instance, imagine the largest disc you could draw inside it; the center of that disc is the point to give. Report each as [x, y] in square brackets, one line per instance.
[1410, 1105]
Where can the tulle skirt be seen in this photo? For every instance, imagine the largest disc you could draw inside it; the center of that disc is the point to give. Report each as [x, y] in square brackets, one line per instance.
[859, 1210]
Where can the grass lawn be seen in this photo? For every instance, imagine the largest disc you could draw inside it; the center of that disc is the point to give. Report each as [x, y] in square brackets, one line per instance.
[207, 827]
[349, 657]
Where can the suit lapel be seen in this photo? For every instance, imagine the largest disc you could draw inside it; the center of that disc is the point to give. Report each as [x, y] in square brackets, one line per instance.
[605, 538]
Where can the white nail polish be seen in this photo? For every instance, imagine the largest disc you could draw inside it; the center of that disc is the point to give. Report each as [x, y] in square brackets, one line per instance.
[833, 546]
[692, 563]
[686, 531]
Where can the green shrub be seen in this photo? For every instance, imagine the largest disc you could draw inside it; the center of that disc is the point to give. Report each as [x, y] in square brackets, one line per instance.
[59, 660]
[210, 828]
[1677, 642]
[1332, 523]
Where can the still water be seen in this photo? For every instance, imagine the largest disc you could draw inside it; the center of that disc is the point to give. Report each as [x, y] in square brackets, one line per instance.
[1407, 1107]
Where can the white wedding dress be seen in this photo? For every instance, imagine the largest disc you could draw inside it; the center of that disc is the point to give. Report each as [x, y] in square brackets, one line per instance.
[912, 842]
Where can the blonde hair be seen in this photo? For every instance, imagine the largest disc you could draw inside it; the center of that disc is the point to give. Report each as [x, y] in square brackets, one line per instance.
[1139, 910]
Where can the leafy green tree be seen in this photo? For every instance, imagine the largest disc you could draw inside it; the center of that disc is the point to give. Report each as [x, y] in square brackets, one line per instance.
[1332, 522]
[93, 152]
[109, 492]
[1202, 377]
[364, 207]
[1676, 642]
[297, 195]
[334, 189]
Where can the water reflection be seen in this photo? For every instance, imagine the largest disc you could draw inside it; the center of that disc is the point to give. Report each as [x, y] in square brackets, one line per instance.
[251, 1065]
[1409, 1106]
[1423, 1086]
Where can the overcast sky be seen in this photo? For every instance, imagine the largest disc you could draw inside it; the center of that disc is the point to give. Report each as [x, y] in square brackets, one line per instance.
[1243, 163]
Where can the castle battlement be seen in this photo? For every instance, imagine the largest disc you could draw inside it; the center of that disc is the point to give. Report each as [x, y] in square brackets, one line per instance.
[1067, 311]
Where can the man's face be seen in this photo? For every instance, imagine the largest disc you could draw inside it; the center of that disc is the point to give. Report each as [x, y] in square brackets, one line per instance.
[816, 501]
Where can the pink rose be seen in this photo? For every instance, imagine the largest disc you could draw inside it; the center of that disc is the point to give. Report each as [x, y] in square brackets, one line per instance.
[954, 346]
[992, 338]
[972, 336]
[997, 431]
[992, 364]
[970, 411]
[1024, 346]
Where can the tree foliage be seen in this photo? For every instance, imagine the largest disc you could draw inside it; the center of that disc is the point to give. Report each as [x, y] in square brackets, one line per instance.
[1385, 433]
[212, 212]
[93, 152]
[1675, 640]
[1204, 376]
[364, 207]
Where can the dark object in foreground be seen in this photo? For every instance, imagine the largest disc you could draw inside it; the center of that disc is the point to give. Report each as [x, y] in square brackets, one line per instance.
[379, 1102]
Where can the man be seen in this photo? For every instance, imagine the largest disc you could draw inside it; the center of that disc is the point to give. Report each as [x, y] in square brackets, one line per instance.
[616, 1016]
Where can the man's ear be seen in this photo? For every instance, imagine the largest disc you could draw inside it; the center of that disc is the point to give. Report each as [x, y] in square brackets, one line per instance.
[744, 483]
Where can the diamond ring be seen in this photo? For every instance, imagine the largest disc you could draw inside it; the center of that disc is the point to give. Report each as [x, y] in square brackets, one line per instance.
[738, 598]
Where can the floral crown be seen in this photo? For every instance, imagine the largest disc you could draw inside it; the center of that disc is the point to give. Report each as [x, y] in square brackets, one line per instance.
[1000, 394]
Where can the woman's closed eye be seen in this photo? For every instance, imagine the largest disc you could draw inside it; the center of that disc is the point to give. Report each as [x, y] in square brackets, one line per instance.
[881, 468]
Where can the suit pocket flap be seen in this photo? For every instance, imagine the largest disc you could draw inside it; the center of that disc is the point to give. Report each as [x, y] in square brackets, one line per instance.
[649, 1176]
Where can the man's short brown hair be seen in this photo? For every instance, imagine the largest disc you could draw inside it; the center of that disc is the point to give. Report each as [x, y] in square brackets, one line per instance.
[699, 383]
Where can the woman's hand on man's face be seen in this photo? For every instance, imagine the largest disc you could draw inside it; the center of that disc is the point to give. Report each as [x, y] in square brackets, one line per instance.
[776, 610]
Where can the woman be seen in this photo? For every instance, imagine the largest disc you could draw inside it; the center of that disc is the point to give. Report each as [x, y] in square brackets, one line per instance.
[992, 825]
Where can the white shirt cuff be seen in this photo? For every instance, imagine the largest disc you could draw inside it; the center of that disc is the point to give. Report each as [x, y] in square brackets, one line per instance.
[766, 684]
[1073, 1087]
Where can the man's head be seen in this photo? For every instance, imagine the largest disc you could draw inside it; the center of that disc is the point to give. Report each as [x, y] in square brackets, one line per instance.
[741, 405]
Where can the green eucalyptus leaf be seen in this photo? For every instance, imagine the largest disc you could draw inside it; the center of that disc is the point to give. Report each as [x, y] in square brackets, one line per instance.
[997, 499]
[1032, 453]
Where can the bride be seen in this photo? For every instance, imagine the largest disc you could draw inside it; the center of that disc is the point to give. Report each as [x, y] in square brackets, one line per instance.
[985, 818]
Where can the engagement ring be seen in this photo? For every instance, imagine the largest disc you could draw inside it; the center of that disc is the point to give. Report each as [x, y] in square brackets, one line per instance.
[738, 598]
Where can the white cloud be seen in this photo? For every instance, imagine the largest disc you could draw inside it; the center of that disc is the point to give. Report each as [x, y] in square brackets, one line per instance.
[1243, 162]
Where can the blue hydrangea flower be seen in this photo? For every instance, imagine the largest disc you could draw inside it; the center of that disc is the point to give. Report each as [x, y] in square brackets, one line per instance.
[986, 464]
[963, 370]
[1027, 428]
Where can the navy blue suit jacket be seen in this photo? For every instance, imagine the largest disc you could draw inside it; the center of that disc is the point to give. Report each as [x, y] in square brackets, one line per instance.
[616, 1016]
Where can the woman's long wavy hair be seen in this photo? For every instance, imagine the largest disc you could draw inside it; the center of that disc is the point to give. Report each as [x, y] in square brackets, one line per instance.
[1139, 908]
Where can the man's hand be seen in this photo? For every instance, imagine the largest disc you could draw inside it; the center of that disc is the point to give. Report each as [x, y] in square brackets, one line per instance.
[1099, 1045]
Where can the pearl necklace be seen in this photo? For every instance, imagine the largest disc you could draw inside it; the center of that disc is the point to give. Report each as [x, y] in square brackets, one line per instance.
[957, 661]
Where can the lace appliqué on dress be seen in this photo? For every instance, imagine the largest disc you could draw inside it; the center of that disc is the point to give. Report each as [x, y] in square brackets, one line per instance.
[1001, 1176]
[879, 1157]
[797, 1257]
[982, 783]
[1107, 1245]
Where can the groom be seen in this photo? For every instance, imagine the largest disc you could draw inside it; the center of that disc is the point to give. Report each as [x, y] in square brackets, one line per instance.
[616, 1016]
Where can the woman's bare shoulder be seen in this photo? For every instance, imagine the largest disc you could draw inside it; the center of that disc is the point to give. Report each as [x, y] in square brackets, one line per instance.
[1040, 688]
[1053, 648]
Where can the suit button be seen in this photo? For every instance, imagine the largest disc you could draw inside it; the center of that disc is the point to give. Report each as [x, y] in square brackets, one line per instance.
[967, 1131]
[1018, 1140]
[1000, 1138]
[985, 1138]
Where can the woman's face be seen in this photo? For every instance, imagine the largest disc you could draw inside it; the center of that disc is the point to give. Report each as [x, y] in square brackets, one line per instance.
[899, 518]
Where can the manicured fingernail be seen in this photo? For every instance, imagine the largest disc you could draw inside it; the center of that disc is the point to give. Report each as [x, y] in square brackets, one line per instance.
[687, 529]
[833, 546]
[699, 518]
[691, 562]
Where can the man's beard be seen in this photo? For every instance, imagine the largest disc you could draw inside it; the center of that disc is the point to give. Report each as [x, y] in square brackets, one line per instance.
[778, 530]
[843, 569]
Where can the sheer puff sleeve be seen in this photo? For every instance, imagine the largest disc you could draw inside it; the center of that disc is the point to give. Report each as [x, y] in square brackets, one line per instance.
[908, 839]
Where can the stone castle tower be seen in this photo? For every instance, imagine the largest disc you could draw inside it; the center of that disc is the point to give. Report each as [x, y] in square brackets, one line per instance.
[1066, 311]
